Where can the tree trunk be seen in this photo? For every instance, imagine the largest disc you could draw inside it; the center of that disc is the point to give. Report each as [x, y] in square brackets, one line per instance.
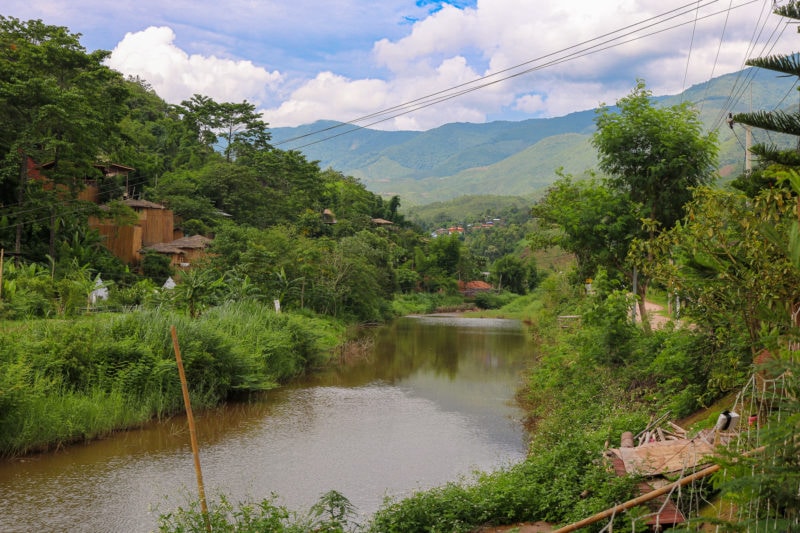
[52, 243]
[641, 290]
[23, 180]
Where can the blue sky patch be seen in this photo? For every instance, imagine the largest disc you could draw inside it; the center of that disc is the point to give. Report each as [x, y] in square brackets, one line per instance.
[436, 5]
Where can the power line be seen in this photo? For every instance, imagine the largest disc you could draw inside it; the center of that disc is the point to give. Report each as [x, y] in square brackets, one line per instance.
[442, 96]
[737, 90]
[464, 88]
[691, 46]
[716, 57]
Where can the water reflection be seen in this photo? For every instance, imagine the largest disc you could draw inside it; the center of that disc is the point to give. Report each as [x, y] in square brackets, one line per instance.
[432, 402]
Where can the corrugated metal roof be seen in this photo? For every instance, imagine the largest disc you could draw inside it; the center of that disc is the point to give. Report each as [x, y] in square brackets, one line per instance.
[133, 202]
[177, 246]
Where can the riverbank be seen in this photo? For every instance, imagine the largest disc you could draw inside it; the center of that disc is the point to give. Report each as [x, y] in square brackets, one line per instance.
[67, 381]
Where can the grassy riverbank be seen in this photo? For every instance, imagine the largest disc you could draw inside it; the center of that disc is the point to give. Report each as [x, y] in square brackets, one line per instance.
[67, 380]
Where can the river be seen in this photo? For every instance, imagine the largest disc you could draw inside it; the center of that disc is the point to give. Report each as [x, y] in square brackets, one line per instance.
[432, 401]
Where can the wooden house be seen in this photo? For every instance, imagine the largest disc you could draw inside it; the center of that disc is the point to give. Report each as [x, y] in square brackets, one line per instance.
[328, 217]
[87, 188]
[155, 225]
[182, 252]
[91, 188]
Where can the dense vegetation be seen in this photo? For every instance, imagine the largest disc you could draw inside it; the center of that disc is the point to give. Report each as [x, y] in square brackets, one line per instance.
[731, 257]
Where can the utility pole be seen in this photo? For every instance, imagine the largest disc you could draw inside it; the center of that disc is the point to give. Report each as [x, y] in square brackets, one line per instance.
[748, 157]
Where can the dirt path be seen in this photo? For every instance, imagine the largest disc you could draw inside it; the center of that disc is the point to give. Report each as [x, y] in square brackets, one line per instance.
[655, 313]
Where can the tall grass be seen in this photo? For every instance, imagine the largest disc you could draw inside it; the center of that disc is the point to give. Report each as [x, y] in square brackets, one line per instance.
[67, 380]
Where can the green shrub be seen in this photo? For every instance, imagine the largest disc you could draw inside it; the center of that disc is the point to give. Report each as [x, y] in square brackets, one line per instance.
[546, 486]
[333, 513]
[493, 300]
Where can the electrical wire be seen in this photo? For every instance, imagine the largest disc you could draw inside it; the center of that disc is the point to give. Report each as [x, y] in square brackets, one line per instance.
[716, 58]
[691, 46]
[739, 87]
[737, 92]
[446, 94]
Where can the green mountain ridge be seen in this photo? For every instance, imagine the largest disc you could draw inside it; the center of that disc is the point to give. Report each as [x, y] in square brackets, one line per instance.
[517, 158]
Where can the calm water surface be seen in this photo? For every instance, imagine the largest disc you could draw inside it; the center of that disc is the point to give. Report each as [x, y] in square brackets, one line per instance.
[433, 402]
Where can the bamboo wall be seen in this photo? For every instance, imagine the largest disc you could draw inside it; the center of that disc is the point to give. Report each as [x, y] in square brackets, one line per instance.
[156, 226]
[123, 241]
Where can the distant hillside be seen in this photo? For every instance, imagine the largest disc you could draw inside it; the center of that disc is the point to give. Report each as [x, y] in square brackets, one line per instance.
[512, 158]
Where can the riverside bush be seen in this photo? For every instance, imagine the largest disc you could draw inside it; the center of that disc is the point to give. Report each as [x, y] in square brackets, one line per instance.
[333, 513]
[493, 300]
[546, 486]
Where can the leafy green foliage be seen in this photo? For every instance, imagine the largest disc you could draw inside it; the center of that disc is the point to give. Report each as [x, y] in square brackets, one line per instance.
[656, 155]
[546, 486]
[590, 220]
[59, 105]
[70, 380]
[244, 517]
[157, 267]
[333, 513]
[515, 275]
[492, 300]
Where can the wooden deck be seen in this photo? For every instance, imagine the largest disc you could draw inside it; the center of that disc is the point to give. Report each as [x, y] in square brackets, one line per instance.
[664, 512]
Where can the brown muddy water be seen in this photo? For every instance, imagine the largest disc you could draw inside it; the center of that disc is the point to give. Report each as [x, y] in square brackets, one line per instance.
[432, 402]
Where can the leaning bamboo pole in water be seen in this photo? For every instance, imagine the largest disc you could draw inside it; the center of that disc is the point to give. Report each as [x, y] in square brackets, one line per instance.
[192, 434]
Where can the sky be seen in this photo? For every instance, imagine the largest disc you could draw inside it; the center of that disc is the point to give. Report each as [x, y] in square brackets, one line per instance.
[415, 65]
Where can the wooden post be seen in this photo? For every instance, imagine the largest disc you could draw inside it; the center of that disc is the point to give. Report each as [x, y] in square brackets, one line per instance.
[192, 434]
[2, 251]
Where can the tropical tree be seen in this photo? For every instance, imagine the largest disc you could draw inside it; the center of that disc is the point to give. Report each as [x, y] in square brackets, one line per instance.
[59, 107]
[514, 274]
[729, 258]
[198, 289]
[655, 155]
[777, 120]
[237, 129]
[593, 221]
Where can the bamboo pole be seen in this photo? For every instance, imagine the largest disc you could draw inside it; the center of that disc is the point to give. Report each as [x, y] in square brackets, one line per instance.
[192, 434]
[638, 500]
[644, 497]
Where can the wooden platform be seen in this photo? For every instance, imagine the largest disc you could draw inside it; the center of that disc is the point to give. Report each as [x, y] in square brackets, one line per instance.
[664, 512]
[665, 457]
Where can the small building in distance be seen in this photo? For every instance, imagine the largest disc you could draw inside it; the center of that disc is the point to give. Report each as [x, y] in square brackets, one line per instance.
[182, 252]
[155, 225]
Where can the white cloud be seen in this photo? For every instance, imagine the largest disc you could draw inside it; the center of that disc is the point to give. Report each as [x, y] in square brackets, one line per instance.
[346, 59]
[175, 75]
[329, 97]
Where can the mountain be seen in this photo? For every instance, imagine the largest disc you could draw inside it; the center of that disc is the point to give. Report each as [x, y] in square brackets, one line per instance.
[516, 158]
